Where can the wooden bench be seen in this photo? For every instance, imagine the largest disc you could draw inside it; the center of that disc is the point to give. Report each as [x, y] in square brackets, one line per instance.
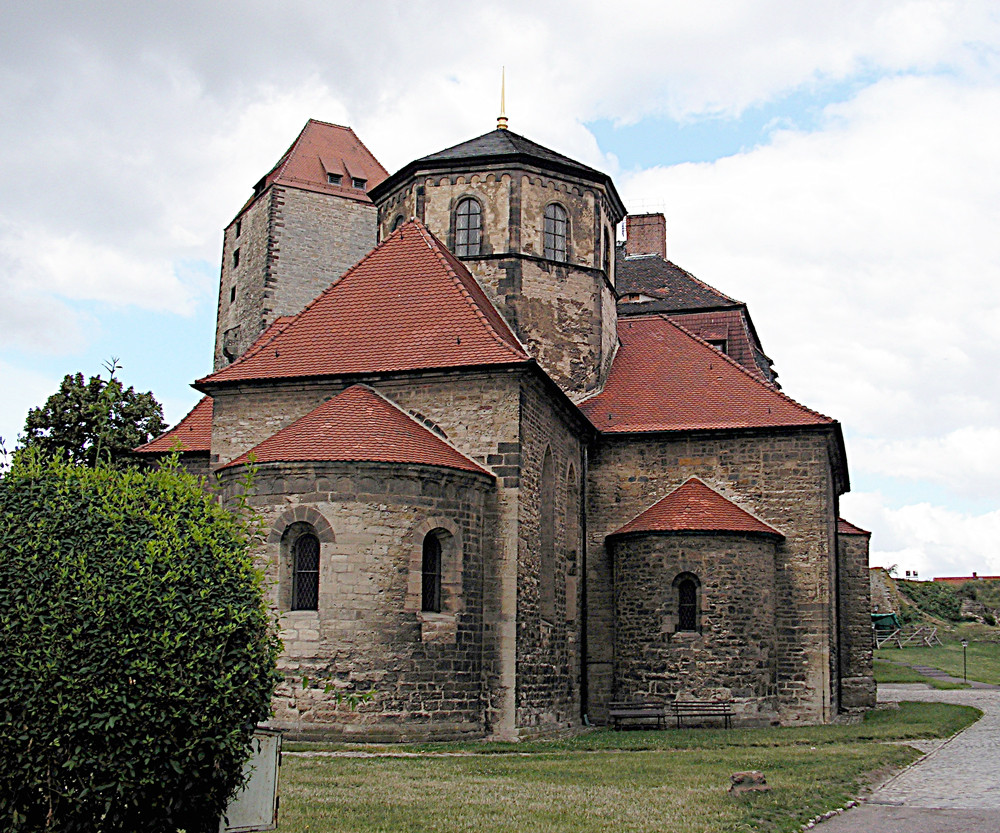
[703, 708]
[638, 711]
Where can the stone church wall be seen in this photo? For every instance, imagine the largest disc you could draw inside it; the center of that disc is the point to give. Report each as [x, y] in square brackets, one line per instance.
[782, 477]
[730, 655]
[548, 642]
[368, 633]
[858, 683]
[292, 245]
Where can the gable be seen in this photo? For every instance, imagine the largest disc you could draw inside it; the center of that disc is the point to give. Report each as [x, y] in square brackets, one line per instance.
[408, 305]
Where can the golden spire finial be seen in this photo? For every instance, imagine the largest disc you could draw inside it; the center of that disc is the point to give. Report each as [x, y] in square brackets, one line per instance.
[502, 118]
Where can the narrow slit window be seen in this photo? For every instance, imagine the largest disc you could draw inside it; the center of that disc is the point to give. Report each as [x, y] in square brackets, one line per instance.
[468, 228]
[431, 575]
[236, 258]
[305, 573]
[556, 232]
[687, 604]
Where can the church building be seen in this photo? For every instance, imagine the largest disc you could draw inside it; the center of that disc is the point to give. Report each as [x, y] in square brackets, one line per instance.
[511, 471]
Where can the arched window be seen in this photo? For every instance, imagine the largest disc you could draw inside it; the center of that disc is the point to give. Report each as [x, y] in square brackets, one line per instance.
[468, 227]
[556, 232]
[430, 595]
[547, 542]
[397, 222]
[305, 572]
[686, 585]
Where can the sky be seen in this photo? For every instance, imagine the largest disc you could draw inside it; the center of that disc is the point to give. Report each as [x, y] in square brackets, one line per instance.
[835, 165]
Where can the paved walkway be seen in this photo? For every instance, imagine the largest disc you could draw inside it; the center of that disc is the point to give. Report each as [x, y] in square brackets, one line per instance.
[956, 787]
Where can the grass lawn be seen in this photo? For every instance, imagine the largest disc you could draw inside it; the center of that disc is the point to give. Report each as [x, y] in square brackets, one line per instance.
[891, 672]
[669, 781]
[983, 656]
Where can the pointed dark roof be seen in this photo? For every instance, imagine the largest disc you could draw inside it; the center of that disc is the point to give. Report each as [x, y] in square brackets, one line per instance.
[672, 288]
[408, 305]
[696, 507]
[359, 425]
[191, 434]
[501, 147]
[664, 378]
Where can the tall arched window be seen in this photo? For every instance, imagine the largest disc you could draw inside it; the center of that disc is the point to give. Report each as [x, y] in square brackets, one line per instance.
[547, 542]
[686, 585]
[468, 227]
[305, 572]
[430, 595]
[556, 232]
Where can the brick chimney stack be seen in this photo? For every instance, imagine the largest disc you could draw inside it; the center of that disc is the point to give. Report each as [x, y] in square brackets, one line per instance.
[646, 234]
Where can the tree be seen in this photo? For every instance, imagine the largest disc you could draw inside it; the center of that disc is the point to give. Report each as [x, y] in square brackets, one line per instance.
[136, 648]
[94, 420]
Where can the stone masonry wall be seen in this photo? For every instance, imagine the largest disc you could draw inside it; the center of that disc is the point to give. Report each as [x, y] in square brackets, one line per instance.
[858, 682]
[548, 652]
[731, 655]
[784, 478]
[292, 245]
[368, 632]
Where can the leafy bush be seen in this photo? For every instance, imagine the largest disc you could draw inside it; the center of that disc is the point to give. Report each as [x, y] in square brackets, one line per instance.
[136, 650]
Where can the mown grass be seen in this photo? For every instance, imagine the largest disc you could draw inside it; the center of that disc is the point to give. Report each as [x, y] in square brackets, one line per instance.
[667, 781]
[983, 656]
[892, 672]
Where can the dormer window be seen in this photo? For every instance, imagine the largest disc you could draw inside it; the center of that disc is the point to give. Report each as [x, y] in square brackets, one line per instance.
[718, 343]
[359, 183]
[335, 179]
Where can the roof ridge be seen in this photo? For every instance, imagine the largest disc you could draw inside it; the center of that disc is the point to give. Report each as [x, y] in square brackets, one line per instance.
[764, 384]
[436, 246]
[283, 162]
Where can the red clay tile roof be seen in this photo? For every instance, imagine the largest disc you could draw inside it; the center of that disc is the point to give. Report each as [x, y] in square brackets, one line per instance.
[847, 528]
[408, 305]
[359, 424]
[193, 433]
[695, 507]
[665, 379]
[322, 149]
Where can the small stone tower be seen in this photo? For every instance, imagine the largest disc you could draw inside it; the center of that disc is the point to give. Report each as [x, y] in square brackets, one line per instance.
[308, 220]
[537, 230]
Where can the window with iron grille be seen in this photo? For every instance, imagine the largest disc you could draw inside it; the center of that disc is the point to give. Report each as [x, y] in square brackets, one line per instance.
[687, 603]
[468, 228]
[305, 572]
[556, 232]
[431, 573]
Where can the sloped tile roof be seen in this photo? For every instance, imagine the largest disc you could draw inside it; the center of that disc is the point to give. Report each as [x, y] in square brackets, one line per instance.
[193, 433]
[695, 507]
[408, 305]
[321, 149]
[673, 288]
[847, 528]
[359, 425]
[665, 379]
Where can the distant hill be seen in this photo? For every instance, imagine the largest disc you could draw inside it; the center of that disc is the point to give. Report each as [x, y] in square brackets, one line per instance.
[974, 601]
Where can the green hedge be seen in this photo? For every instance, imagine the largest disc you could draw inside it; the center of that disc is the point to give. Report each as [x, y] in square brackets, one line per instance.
[136, 651]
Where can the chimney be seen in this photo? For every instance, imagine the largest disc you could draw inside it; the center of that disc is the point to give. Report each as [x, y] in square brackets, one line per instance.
[646, 234]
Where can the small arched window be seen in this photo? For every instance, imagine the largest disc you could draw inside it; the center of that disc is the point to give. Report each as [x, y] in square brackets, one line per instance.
[397, 222]
[305, 572]
[430, 595]
[556, 232]
[686, 585]
[468, 228]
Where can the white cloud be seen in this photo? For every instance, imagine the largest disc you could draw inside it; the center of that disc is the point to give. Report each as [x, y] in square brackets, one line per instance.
[932, 540]
[23, 389]
[867, 251]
